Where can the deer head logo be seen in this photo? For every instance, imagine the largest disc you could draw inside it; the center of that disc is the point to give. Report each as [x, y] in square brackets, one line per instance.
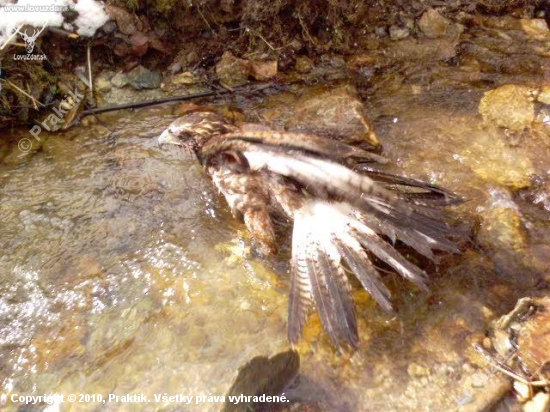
[30, 40]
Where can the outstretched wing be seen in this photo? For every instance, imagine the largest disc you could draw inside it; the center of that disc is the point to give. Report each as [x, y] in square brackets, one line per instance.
[338, 214]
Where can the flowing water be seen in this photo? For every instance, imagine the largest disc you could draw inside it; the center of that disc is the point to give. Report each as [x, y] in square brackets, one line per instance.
[122, 271]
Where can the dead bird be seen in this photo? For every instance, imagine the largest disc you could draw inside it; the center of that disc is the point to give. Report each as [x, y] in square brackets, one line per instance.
[340, 206]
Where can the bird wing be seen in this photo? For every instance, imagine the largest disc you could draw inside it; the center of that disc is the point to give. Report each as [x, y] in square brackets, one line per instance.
[344, 213]
[288, 141]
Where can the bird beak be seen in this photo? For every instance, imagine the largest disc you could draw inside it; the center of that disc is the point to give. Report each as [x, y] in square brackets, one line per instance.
[168, 138]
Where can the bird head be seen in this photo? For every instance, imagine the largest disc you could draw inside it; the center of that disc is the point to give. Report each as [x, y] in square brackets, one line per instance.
[193, 130]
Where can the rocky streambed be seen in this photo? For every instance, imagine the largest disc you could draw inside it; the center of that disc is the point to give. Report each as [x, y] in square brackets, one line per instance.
[122, 271]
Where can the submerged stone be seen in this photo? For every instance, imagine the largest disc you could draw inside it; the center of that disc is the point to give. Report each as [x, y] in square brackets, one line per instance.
[337, 113]
[508, 106]
[433, 24]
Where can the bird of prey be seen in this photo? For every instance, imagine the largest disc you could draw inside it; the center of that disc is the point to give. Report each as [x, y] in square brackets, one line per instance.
[343, 211]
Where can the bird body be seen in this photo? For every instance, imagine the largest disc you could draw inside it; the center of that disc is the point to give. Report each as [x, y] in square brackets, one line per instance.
[339, 205]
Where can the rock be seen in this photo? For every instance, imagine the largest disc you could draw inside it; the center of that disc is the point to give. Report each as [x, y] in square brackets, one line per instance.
[233, 71]
[544, 95]
[303, 64]
[109, 27]
[128, 95]
[139, 78]
[263, 70]
[523, 391]
[192, 57]
[337, 113]
[140, 44]
[535, 29]
[539, 403]
[124, 20]
[503, 235]
[119, 80]
[495, 161]
[398, 33]
[427, 49]
[433, 24]
[415, 370]
[186, 78]
[175, 67]
[502, 227]
[142, 78]
[508, 106]
[534, 339]
[263, 375]
[102, 82]
[27, 145]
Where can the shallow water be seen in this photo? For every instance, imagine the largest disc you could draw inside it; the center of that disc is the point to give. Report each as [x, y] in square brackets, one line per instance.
[121, 270]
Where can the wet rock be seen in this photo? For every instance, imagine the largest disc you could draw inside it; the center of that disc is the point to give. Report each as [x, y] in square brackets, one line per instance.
[539, 403]
[503, 236]
[535, 29]
[534, 339]
[544, 95]
[523, 391]
[488, 390]
[26, 147]
[433, 24]
[232, 71]
[303, 64]
[509, 106]
[415, 370]
[263, 70]
[495, 161]
[338, 113]
[426, 49]
[128, 95]
[502, 226]
[398, 33]
[142, 78]
[263, 375]
[539, 193]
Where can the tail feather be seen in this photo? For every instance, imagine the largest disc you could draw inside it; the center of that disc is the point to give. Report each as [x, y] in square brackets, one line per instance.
[361, 266]
[300, 290]
[329, 285]
[340, 295]
[326, 236]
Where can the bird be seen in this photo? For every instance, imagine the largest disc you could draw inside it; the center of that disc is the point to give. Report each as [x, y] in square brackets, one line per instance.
[345, 213]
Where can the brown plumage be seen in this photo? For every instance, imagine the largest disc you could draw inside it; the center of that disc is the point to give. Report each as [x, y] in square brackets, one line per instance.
[340, 206]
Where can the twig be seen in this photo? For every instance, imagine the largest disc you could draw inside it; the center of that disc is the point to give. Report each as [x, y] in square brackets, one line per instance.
[261, 37]
[306, 31]
[34, 101]
[89, 57]
[173, 99]
[206, 21]
[63, 32]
